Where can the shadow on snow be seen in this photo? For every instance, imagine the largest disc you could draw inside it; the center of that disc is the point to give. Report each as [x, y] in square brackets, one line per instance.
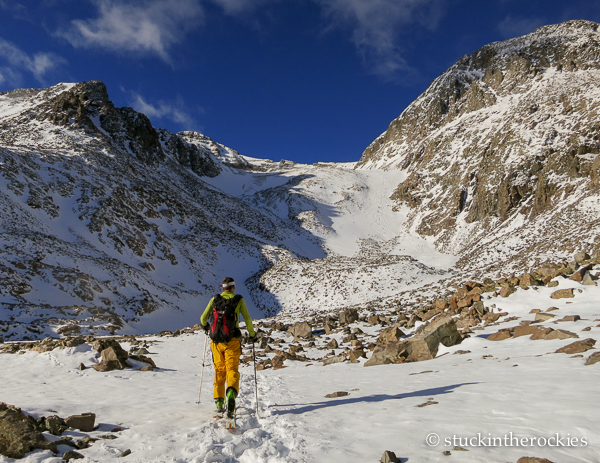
[306, 408]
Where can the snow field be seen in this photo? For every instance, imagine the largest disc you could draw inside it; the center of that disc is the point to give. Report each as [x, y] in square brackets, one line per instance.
[513, 386]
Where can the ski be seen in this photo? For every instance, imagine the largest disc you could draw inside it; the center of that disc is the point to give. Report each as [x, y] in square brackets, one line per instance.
[230, 424]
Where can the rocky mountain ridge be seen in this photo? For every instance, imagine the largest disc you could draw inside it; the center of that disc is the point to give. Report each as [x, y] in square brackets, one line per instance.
[499, 156]
[110, 225]
[99, 208]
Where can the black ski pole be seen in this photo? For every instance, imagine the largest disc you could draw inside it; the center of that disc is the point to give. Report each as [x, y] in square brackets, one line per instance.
[255, 382]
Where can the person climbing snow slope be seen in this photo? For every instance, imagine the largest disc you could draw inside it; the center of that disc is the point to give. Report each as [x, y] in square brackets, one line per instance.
[223, 312]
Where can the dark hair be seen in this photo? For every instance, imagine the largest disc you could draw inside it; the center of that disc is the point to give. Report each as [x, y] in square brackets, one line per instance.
[227, 282]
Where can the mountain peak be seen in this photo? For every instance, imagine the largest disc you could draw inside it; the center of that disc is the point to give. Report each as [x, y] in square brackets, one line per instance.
[505, 139]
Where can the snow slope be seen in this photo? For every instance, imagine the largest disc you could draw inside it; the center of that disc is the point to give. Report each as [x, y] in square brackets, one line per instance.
[507, 390]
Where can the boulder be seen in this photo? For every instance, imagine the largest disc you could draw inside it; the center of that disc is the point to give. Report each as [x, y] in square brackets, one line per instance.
[579, 274]
[507, 291]
[389, 457]
[479, 308]
[526, 330]
[333, 344]
[428, 338]
[55, 425]
[581, 256]
[357, 354]
[84, 422]
[300, 330]
[533, 460]
[373, 320]
[560, 334]
[577, 347]
[72, 455]
[541, 333]
[422, 346]
[570, 318]
[348, 316]
[527, 279]
[440, 304]
[562, 293]
[391, 334]
[500, 335]
[543, 317]
[113, 358]
[550, 271]
[588, 280]
[594, 358]
[468, 321]
[430, 314]
[333, 395]
[20, 433]
[335, 359]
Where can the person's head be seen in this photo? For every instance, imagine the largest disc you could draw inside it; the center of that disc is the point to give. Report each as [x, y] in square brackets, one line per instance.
[228, 284]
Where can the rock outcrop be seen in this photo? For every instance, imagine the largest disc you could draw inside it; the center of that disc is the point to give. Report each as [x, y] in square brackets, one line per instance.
[482, 148]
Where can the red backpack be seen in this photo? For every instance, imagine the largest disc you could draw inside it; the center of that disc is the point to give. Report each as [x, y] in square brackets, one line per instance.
[224, 319]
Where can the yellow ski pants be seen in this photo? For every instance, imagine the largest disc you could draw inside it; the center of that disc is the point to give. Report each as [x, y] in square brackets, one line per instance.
[226, 357]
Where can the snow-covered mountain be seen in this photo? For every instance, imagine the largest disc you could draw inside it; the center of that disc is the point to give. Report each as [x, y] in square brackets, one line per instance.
[111, 225]
[108, 225]
[498, 158]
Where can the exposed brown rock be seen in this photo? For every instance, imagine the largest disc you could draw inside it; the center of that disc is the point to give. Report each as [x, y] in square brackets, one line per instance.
[579, 274]
[333, 344]
[560, 334]
[543, 316]
[531, 330]
[577, 347]
[594, 358]
[562, 293]
[389, 457]
[507, 291]
[20, 434]
[500, 335]
[348, 316]
[422, 346]
[391, 334]
[533, 460]
[335, 359]
[84, 422]
[300, 330]
[334, 395]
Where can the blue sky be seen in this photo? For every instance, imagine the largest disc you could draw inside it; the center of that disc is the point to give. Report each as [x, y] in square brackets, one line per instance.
[304, 80]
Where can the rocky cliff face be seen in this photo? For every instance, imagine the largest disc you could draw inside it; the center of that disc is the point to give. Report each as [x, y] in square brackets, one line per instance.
[105, 219]
[498, 158]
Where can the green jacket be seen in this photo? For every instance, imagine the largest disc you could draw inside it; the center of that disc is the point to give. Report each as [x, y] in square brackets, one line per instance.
[240, 309]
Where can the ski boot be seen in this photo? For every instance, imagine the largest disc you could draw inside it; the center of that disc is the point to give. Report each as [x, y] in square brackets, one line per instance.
[220, 406]
[231, 395]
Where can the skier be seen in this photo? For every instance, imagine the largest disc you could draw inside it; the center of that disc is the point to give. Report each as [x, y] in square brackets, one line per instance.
[224, 310]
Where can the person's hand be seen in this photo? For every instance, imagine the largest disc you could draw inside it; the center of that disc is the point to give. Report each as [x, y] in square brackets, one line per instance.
[253, 339]
[205, 328]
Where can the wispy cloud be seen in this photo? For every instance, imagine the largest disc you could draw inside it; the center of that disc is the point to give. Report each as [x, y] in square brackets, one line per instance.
[173, 111]
[149, 26]
[238, 7]
[19, 61]
[514, 27]
[378, 25]
[12, 6]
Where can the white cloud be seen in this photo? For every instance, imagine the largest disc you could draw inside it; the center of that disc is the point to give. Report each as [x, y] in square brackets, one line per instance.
[514, 27]
[377, 26]
[149, 26]
[175, 112]
[237, 7]
[18, 61]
